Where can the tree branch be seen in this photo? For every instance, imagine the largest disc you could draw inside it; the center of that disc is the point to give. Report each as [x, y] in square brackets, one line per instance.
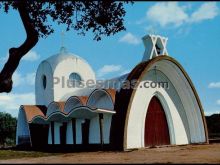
[16, 54]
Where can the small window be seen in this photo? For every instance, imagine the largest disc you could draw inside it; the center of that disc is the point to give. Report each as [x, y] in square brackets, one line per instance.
[44, 81]
[75, 79]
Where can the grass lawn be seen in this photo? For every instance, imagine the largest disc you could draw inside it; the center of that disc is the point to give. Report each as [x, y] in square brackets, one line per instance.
[13, 154]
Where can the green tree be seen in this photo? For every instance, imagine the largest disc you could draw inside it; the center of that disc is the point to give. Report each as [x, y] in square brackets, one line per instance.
[7, 129]
[213, 124]
[103, 18]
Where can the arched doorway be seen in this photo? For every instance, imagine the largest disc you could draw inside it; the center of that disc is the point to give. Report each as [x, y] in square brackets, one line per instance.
[156, 127]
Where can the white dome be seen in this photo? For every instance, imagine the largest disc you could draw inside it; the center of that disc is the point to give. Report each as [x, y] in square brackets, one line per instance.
[52, 76]
[54, 60]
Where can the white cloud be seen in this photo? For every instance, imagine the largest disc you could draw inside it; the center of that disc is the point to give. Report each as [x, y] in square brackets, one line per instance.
[111, 70]
[218, 102]
[208, 10]
[125, 72]
[130, 39]
[187, 6]
[30, 78]
[209, 113]
[167, 13]
[19, 79]
[106, 69]
[151, 29]
[2, 62]
[3, 59]
[172, 14]
[214, 85]
[11, 102]
[31, 56]
[183, 31]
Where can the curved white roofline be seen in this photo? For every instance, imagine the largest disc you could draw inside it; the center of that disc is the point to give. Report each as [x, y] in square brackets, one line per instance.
[73, 113]
[100, 93]
[68, 103]
[53, 107]
[63, 55]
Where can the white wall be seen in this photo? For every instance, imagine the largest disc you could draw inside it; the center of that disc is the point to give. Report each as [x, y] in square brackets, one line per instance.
[69, 133]
[107, 118]
[79, 131]
[63, 71]
[136, 130]
[57, 132]
[44, 96]
[59, 67]
[184, 118]
[192, 109]
[94, 131]
[22, 126]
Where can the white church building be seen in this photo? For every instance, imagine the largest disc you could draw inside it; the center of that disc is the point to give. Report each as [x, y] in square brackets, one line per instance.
[113, 116]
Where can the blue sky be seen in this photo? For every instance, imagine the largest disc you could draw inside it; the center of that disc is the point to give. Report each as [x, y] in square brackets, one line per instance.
[193, 35]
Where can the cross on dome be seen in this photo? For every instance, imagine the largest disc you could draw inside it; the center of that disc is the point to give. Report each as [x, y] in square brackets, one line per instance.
[62, 38]
[63, 50]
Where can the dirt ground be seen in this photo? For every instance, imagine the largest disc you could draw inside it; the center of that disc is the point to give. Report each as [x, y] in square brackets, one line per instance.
[172, 154]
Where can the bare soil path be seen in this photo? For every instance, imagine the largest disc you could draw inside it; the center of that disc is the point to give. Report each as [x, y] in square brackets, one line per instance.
[173, 154]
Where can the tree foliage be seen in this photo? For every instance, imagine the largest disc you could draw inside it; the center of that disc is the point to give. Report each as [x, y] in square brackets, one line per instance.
[213, 124]
[7, 128]
[102, 18]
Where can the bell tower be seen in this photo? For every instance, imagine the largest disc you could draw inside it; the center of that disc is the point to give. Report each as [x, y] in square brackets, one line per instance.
[155, 45]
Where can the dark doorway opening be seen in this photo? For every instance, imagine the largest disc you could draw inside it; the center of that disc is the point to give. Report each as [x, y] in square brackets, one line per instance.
[85, 132]
[63, 134]
[39, 135]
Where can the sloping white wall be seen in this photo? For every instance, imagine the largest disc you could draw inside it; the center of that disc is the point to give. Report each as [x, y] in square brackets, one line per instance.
[179, 103]
[22, 126]
[44, 96]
